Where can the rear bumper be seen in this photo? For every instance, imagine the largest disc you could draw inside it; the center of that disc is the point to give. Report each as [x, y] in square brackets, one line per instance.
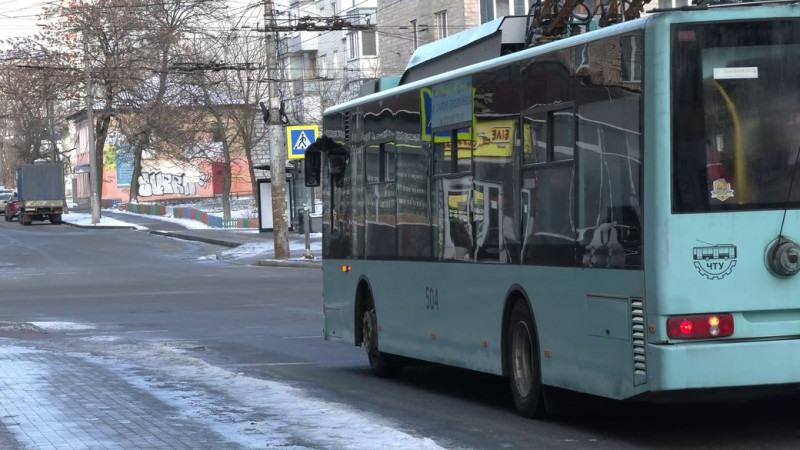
[723, 364]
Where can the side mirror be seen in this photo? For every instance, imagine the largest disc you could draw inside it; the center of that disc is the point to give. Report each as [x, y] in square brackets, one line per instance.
[312, 166]
[337, 161]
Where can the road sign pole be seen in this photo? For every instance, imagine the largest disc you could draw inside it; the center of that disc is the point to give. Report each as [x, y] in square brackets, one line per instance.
[307, 223]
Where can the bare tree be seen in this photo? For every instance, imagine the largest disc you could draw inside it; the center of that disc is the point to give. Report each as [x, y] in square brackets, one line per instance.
[117, 36]
[227, 79]
[152, 103]
[32, 86]
[246, 84]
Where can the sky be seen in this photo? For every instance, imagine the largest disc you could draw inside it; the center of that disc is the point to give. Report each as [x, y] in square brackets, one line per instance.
[18, 18]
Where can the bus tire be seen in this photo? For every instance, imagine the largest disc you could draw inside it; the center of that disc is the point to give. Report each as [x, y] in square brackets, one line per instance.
[381, 364]
[524, 370]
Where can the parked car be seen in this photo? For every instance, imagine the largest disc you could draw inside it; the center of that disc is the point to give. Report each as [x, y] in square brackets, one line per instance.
[4, 198]
[11, 209]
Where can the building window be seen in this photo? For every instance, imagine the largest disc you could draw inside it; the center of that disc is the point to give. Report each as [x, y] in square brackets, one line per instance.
[369, 45]
[492, 9]
[487, 10]
[520, 7]
[353, 45]
[334, 64]
[414, 34]
[322, 66]
[361, 43]
[296, 67]
[440, 22]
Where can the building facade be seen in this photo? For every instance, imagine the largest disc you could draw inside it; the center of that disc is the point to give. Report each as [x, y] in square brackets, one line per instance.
[329, 49]
[408, 24]
[161, 179]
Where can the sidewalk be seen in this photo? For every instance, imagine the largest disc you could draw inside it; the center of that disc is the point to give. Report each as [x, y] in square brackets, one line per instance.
[259, 242]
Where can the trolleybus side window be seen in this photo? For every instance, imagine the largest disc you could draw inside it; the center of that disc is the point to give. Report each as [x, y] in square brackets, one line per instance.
[413, 221]
[496, 183]
[381, 201]
[453, 195]
[609, 160]
[548, 187]
[338, 176]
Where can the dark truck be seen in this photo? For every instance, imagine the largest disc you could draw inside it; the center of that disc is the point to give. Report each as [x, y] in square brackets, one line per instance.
[40, 188]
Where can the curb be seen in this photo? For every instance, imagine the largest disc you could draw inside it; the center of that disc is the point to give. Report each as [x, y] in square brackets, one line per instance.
[100, 227]
[264, 262]
[188, 237]
[289, 263]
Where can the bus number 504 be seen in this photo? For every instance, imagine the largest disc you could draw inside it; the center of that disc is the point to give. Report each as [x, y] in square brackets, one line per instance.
[431, 298]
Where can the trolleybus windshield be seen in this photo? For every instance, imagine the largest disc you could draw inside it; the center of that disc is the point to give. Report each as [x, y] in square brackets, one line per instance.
[736, 115]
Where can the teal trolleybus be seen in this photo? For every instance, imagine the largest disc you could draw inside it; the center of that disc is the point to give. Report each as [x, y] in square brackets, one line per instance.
[614, 212]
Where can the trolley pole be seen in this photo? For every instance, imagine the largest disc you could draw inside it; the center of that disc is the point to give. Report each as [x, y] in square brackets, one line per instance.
[277, 150]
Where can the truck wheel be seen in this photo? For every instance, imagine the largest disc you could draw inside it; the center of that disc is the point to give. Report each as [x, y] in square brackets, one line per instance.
[55, 218]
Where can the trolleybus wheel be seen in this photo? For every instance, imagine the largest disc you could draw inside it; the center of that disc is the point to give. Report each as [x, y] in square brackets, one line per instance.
[524, 372]
[382, 364]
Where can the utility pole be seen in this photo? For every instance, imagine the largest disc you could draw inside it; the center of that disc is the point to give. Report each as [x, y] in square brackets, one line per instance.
[277, 149]
[94, 178]
[51, 130]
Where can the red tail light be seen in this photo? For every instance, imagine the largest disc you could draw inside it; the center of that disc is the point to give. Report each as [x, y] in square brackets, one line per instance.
[701, 326]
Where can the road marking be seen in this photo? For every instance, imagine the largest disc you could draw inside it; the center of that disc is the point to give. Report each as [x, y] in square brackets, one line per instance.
[272, 364]
[146, 331]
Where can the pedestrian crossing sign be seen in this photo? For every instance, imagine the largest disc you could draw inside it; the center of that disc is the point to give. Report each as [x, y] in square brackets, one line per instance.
[298, 138]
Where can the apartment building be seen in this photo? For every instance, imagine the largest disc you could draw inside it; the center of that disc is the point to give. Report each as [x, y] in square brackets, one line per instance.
[407, 24]
[331, 51]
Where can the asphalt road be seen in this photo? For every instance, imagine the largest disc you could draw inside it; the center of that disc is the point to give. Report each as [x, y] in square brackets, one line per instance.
[264, 323]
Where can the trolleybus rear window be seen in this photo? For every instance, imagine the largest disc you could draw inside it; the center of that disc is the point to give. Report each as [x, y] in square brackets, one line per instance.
[736, 116]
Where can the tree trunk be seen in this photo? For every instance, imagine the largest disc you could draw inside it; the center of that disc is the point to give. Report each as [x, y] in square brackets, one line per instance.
[226, 181]
[138, 149]
[144, 140]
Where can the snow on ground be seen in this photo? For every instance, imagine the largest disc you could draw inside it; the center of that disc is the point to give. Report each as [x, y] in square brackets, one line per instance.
[292, 411]
[251, 412]
[71, 326]
[297, 247]
[85, 220]
[189, 224]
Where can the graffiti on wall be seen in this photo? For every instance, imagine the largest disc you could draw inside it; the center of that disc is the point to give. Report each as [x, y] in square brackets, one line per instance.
[160, 183]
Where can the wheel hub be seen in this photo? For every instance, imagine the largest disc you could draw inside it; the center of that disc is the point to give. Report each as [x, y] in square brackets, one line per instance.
[521, 358]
